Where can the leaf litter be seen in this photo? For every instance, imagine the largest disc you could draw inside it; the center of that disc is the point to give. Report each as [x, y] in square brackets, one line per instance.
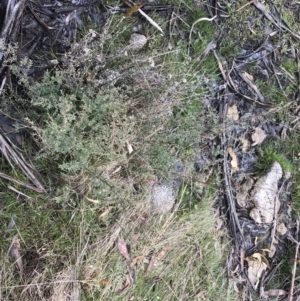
[257, 210]
[122, 247]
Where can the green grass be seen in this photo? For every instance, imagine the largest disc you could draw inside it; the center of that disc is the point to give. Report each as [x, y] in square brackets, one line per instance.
[273, 152]
[183, 249]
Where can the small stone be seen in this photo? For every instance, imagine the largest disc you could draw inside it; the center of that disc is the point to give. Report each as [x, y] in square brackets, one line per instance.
[281, 229]
[233, 113]
[137, 42]
[162, 198]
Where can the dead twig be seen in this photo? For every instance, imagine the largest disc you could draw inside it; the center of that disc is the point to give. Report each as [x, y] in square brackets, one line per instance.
[44, 25]
[19, 192]
[10, 17]
[243, 76]
[295, 265]
[245, 5]
[11, 155]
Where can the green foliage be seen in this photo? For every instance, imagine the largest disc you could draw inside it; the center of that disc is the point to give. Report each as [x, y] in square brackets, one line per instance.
[79, 124]
[290, 66]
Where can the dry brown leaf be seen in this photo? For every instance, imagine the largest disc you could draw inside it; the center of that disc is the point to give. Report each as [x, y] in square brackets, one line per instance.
[104, 282]
[219, 224]
[136, 260]
[173, 150]
[200, 295]
[92, 201]
[245, 144]
[233, 113]
[163, 252]
[258, 136]
[255, 268]
[14, 253]
[234, 160]
[122, 247]
[104, 213]
[91, 274]
[276, 293]
[151, 265]
[249, 76]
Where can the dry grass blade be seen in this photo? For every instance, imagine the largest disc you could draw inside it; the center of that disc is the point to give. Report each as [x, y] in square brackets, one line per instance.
[247, 78]
[39, 19]
[196, 22]
[2, 85]
[245, 5]
[4, 176]
[10, 17]
[10, 154]
[66, 286]
[151, 21]
[19, 192]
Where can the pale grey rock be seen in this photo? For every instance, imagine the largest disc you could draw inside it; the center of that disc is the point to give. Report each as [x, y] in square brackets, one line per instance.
[137, 42]
[162, 198]
[264, 196]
